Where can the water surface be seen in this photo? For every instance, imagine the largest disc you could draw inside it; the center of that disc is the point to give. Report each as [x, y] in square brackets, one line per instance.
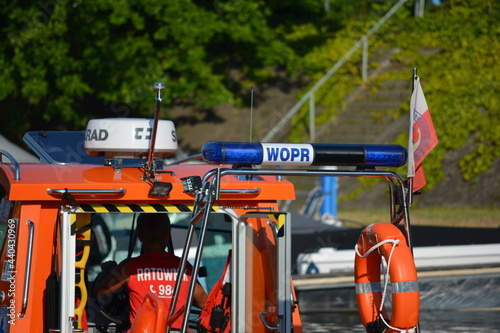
[463, 321]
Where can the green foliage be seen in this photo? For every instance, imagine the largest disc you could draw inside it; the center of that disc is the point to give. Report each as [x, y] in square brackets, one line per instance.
[62, 63]
[65, 62]
[456, 49]
[459, 81]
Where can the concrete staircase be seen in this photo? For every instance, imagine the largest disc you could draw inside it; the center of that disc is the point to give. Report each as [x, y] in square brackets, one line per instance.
[367, 117]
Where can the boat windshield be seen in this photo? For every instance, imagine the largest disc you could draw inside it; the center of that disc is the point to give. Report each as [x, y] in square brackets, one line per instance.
[115, 238]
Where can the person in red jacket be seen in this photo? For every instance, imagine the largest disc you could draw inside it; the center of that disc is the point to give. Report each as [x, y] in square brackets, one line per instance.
[155, 270]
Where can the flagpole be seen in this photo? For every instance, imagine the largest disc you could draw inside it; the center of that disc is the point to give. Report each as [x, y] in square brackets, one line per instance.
[410, 181]
[407, 202]
[422, 131]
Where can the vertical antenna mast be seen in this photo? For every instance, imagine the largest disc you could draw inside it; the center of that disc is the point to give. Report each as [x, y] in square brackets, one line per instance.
[251, 113]
[158, 87]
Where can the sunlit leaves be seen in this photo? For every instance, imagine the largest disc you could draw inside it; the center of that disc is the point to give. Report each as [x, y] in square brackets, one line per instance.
[64, 62]
[456, 49]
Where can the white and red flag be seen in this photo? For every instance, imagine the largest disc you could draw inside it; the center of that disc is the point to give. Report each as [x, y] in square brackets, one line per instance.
[422, 138]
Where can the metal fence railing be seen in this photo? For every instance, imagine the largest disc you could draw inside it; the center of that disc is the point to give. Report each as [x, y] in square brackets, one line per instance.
[309, 96]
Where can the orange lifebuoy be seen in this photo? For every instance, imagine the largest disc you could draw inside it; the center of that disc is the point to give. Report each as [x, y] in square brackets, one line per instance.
[375, 241]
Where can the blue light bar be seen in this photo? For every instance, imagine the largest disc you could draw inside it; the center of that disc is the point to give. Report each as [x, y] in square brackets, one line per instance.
[252, 153]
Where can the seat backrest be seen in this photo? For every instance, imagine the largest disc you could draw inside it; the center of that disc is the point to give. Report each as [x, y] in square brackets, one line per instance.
[151, 316]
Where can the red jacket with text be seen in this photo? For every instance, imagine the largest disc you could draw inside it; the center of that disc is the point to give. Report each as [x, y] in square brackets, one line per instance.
[157, 273]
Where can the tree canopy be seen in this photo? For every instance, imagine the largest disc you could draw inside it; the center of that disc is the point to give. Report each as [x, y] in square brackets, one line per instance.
[456, 48]
[64, 62]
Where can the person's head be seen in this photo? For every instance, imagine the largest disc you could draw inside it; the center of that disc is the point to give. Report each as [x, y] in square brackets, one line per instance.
[153, 228]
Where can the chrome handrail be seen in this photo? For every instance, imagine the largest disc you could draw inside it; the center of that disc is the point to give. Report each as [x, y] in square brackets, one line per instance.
[17, 169]
[394, 179]
[241, 191]
[205, 199]
[27, 269]
[53, 191]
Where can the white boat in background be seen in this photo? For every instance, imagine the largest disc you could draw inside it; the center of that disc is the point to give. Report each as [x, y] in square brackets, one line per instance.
[458, 268]
[21, 155]
[328, 260]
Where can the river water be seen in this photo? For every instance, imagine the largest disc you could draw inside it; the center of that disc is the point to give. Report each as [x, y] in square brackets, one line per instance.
[463, 321]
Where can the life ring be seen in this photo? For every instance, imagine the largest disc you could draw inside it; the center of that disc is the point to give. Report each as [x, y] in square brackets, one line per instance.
[375, 241]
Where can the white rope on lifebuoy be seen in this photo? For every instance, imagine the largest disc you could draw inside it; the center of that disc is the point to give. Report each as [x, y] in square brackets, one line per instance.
[376, 246]
[386, 278]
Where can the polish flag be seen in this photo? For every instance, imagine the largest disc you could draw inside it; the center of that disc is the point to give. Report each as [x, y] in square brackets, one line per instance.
[422, 138]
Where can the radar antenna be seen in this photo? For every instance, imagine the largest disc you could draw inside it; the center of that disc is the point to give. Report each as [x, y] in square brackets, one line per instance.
[158, 87]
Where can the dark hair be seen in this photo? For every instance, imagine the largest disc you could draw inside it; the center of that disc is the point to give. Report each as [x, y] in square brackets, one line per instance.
[153, 227]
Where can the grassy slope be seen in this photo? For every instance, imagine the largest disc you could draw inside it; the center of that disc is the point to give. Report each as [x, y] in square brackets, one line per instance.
[456, 217]
[456, 48]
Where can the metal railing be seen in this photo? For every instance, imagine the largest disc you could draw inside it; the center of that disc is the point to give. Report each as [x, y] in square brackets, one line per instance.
[309, 96]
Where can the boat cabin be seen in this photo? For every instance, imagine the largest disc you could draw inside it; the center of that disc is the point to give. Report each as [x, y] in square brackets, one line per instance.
[61, 219]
